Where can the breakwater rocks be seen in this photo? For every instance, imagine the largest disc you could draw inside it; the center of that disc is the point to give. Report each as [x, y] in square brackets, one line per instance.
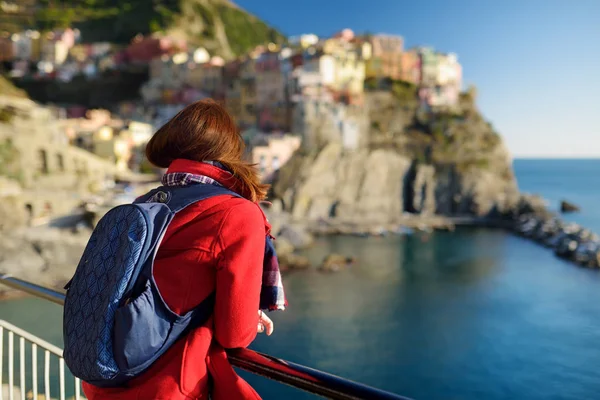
[532, 219]
[568, 240]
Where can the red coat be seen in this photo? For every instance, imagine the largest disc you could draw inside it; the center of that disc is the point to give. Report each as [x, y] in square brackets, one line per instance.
[216, 244]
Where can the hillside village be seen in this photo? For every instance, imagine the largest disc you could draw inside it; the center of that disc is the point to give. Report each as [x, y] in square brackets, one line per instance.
[272, 91]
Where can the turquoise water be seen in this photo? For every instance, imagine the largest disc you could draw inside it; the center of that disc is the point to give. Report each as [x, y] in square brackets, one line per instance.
[470, 315]
[577, 181]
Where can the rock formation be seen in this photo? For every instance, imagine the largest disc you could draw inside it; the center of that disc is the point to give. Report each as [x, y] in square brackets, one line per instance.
[44, 256]
[567, 207]
[448, 163]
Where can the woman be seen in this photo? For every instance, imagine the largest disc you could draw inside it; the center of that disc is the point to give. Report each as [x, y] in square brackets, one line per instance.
[218, 245]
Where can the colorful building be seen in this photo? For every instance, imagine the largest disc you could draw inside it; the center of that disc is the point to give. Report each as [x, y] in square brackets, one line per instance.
[411, 67]
[248, 98]
[449, 70]
[208, 77]
[429, 66]
[232, 89]
[271, 93]
[304, 41]
[441, 78]
[342, 63]
[145, 49]
[386, 57]
[273, 153]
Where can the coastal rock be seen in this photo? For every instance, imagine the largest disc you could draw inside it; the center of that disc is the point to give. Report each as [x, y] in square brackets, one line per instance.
[293, 261]
[531, 204]
[347, 184]
[44, 256]
[437, 164]
[61, 250]
[335, 262]
[12, 210]
[19, 258]
[567, 207]
[296, 234]
[423, 201]
[317, 184]
[283, 247]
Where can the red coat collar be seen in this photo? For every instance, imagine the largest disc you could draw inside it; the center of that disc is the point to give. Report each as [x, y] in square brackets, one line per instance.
[225, 178]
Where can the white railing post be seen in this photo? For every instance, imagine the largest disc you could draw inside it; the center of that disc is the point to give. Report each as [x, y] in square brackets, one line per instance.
[1, 362]
[27, 339]
[22, 366]
[47, 374]
[34, 371]
[11, 360]
[77, 389]
[61, 371]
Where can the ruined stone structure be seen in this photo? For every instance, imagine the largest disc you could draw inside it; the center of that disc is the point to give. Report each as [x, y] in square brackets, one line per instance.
[54, 175]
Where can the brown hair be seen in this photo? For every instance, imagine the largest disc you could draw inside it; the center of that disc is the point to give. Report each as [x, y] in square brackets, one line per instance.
[204, 131]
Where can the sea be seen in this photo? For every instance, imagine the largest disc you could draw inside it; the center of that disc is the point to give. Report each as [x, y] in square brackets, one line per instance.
[474, 314]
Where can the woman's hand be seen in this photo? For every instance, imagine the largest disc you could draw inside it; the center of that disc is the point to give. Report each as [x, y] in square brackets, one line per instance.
[264, 323]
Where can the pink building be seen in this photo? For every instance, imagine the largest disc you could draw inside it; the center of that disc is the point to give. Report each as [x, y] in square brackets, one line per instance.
[146, 48]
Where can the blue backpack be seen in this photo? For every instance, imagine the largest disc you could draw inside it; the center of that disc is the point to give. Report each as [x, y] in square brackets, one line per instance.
[115, 322]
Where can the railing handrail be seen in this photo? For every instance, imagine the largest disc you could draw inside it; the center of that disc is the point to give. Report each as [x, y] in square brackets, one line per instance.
[296, 375]
[32, 338]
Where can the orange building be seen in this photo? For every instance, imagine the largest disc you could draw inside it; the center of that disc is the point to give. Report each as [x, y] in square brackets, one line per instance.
[386, 57]
[411, 67]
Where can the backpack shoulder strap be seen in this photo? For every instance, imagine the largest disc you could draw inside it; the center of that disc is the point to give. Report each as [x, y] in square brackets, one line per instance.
[178, 198]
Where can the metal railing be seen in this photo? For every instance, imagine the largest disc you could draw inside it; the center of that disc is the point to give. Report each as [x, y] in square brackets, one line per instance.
[35, 344]
[295, 375]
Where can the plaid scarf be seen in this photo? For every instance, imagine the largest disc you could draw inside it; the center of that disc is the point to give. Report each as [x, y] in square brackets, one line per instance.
[272, 296]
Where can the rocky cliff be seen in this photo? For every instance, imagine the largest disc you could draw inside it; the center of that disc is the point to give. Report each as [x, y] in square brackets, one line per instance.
[410, 161]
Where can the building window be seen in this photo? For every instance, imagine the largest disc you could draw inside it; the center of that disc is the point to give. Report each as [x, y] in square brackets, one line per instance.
[42, 162]
[60, 162]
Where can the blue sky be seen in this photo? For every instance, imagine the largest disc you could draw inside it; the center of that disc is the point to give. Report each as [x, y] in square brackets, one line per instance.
[536, 63]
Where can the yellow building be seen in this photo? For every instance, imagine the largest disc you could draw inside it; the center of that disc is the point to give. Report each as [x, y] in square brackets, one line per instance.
[344, 64]
[113, 146]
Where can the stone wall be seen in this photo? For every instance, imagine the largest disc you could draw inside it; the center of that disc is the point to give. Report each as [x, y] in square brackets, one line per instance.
[53, 174]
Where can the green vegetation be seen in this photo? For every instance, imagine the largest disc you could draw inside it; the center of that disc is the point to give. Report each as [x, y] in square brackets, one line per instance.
[202, 22]
[371, 84]
[405, 92]
[5, 116]
[245, 31]
[8, 89]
